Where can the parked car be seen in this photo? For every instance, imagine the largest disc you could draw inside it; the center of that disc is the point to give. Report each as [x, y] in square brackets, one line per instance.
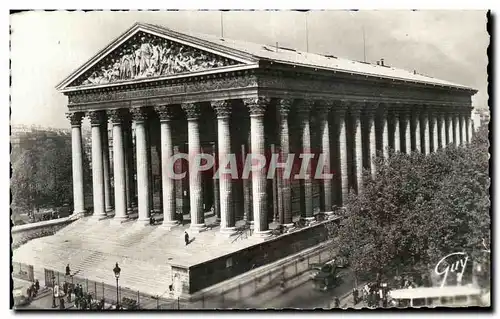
[325, 276]
[19, 298]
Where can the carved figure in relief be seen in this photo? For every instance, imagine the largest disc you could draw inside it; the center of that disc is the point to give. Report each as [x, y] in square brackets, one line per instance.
[152, 57]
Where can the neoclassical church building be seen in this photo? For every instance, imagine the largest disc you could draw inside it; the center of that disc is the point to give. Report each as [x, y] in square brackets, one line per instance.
[155, 93]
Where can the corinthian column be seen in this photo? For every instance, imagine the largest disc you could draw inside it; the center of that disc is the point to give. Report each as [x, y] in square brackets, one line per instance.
[106, 166]
[143, 205]
[77, 160]
[97, 169]
[417, 136]
[397, 130]
[257, 108]
[195, 196]
[223, 111]
[285, 200]
[463, 129]
[456, 127]
[340, 124]
[449, 128]
[468, 125]
[372, 140]
[405, 120]
[324, 108]
[303, 107]
[384, 130]
[442, 129]
[424, 125]
[434, 130]
[357, 151]
[166, 115]
[116, 117]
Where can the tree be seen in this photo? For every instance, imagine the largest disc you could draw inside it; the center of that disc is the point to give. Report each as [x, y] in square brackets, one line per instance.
[417, 210]
[42, 173]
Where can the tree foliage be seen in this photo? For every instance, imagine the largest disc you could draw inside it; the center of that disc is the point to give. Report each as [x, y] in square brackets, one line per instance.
[418, 209]
[42, 172]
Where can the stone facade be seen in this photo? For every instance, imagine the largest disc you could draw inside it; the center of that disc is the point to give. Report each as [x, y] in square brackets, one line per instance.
[232, 102]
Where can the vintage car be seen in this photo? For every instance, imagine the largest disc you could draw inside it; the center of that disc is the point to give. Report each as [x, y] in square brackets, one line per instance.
[19, 298]
[325, 276]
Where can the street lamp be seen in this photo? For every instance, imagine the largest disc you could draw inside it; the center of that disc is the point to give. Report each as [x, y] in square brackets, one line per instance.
[117, 270]
[54, 291]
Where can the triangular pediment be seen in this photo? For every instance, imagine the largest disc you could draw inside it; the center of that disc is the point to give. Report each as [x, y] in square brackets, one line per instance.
[141, 54]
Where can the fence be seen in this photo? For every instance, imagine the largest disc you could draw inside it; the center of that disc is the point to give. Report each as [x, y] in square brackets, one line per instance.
[271, 281]
[23, 271]
[262, 285]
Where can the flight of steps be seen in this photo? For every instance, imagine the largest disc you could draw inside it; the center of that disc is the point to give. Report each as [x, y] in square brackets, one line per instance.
[92, 249]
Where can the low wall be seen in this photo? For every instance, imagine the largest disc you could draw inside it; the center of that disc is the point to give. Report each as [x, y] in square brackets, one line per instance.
[217, 270]
[23, 233]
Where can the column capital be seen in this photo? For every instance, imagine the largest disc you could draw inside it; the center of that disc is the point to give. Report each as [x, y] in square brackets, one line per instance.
[222, 108]
[192, 110]
[95, 117]
[354, 107]
[324, 106]
[284, 106]
[165, 112]
[116, 116]
[303, 107]
[139, 114]
[75, 118]
[257, 105]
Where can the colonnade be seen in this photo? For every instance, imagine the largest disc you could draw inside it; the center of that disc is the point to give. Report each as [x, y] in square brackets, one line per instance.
[351, 134]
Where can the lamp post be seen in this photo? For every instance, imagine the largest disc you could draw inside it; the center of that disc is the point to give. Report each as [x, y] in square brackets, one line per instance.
[53, 291]
[117, 271]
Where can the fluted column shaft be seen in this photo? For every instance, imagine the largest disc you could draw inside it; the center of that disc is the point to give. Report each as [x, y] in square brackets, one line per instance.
[456, 127]
[118, 165]
[285, 200]
[469, 127]
[341, 119]
[129, 159]
[223, 111]
[106, 165]
[304, 108]
[385, 133]
[397, 130]
[97, 165]
[257, 108]
[449, 129]
[324, 110]
[463, 130]
[424, 125]
[143, 190]
[166, 115]
[195, 191]
[442, 129]
[405, 126]
[357, 148]
[416, 134]
[434, 130]
[372, 140]
[77, 162]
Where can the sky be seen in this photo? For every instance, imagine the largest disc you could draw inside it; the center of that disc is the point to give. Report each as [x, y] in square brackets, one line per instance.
[47, 46]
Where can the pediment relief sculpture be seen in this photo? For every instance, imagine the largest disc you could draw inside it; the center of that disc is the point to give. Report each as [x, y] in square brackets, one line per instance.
[146, 55]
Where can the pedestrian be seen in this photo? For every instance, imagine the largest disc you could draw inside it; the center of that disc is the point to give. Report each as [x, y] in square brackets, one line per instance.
[67, 270]
[355, 295]
[37, 285]
[61, 303]
[337, 302]
[186, 237]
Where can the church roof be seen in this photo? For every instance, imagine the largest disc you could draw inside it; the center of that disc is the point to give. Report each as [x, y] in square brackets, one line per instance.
[247, 53]
[328, 62]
